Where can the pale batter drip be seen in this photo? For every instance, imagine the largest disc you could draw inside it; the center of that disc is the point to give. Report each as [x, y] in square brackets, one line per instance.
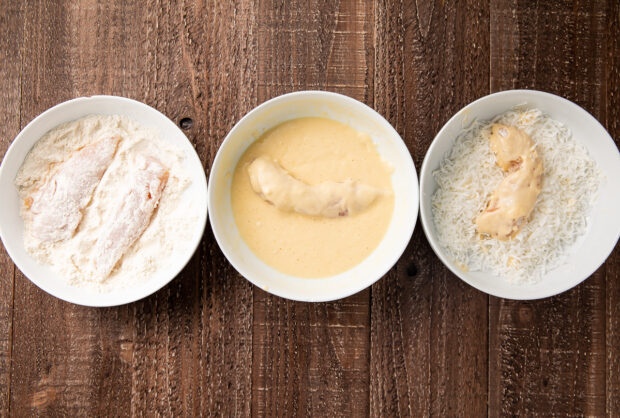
[314, 152]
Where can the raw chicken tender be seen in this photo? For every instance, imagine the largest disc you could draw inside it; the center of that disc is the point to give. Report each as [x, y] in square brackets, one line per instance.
[57, 207]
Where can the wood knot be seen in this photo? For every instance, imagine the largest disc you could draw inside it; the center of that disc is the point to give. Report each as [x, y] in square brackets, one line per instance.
[525, 314]
[126, 352]
[186, 123]
[412, 269]
[42, 398]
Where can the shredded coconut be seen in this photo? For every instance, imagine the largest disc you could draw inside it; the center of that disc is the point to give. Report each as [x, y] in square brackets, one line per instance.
[467, 176]
[168, 232]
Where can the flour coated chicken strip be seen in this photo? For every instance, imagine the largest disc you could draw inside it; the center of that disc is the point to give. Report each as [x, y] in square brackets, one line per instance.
[329, 199]
[57, 207]
[132, 214]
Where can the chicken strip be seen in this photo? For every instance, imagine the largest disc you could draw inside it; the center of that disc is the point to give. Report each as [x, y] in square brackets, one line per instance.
[57, 207]
[513, 201]
[329, 199]
[132, 214]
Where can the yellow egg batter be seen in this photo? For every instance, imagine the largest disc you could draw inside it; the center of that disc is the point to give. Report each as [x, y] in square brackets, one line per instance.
[314, 151]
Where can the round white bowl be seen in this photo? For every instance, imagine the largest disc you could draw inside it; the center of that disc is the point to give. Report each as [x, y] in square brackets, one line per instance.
[11, 224]
[390, 146]
[591, 250]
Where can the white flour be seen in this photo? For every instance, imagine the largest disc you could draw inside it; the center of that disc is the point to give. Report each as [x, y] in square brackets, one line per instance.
[170, 228]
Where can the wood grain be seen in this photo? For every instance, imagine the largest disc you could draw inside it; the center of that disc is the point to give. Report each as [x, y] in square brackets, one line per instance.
[316, 45]
[10, 72]
[612, 266]
[312, 359]
[69, 360]
[548, 356]
[216, 86]
[420, 342]
[187, 348]
[428, 329]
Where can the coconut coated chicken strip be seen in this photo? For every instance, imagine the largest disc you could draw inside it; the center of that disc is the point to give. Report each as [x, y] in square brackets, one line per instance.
[57, 207]
[329, 199]
[132, 214]
[512, 202]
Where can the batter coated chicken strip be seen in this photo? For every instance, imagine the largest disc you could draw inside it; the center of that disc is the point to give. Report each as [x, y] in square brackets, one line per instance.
[329, 199]
[512, 202]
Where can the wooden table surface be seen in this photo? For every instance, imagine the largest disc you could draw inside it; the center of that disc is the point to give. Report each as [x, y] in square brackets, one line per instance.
[419, 342]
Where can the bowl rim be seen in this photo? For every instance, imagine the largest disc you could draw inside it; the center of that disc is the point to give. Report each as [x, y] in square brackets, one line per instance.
[389, 263]
[121, 299]
[426, 218]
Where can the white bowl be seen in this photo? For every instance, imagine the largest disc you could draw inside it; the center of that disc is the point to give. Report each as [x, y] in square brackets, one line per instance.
[591, 250]
[390, 146]
[12, 227]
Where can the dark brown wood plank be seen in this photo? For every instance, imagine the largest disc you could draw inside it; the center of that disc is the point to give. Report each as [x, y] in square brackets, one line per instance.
[66, 356]
[209, 75]
[612, 266]
[11, 29]
[548, 356]
[312, 359]
[428, 329]
[316, 45]
[186, 349]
